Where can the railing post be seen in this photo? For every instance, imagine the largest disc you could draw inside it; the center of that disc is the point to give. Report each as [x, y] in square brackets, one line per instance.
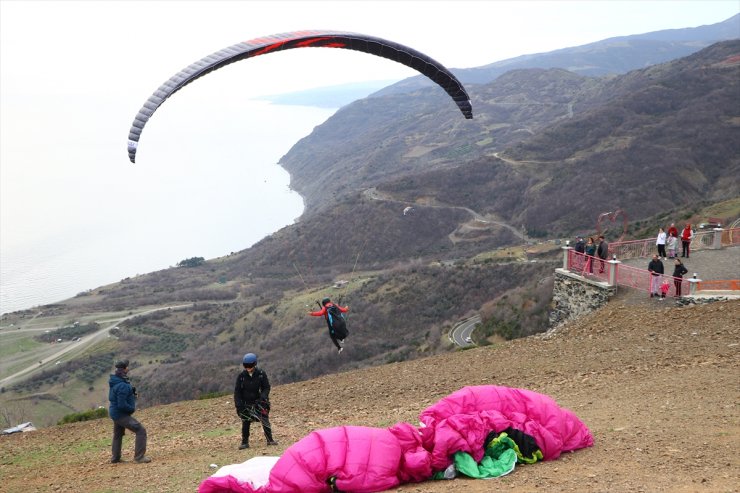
[566, 253]
[717, 243]
[694, 285]
[613, 270]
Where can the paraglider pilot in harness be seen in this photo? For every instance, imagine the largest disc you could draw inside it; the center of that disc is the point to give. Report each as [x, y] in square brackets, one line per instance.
[335, 320]
[252, 399]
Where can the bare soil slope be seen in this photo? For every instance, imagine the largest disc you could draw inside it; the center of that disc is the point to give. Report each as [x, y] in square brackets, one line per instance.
[658, 385]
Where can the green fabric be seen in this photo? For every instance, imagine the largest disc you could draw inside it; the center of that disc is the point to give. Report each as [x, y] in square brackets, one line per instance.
[499, 459]
[496, 444]
[501, 455]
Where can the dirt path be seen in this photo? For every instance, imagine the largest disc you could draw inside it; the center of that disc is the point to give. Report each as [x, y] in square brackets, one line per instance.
[374, 194]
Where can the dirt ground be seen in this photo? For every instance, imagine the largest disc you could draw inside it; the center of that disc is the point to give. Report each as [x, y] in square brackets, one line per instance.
[658, 385]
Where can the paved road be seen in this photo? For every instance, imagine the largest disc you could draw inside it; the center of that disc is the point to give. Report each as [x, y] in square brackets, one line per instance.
[460, 333]
[86, 341]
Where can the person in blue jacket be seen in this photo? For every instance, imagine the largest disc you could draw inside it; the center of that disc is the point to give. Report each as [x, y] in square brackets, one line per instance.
[122, 397]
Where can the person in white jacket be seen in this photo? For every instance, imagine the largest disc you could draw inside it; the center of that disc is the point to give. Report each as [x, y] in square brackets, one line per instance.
[660, 241]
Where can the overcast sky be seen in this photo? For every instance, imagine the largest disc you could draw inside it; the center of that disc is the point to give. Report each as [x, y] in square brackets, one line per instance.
[127, 48]
[74, 74]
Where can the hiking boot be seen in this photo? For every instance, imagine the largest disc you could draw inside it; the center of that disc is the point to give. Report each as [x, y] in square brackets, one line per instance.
[143, 460]
[271, 442]
[339, 351]
[116, 461]
[243, 446]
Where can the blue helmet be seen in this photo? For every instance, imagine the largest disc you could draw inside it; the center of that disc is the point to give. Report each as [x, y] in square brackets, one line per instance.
[249, 359]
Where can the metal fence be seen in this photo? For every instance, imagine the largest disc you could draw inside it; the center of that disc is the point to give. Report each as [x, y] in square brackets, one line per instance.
[662, 285]
[703, 240]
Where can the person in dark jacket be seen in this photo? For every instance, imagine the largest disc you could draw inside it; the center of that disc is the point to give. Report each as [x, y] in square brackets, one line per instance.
[678, 272]
[580, 245]
[252, 399]
[122, 397]
[602, 251]
[656, 272]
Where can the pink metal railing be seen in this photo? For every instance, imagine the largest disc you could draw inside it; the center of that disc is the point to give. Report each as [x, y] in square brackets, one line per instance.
[597, 269]
[703, 240]
[625, 275]
[731, 237]
[588, 266]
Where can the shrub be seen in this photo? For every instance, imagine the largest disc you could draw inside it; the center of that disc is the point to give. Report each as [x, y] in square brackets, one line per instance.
[98, 413]
[213, 395]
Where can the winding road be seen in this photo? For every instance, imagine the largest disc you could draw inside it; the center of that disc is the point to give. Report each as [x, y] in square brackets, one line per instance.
[83, 343]
[461, 332]
[374, 194]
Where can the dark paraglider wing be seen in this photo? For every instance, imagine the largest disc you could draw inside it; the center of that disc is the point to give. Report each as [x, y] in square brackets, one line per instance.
[300, 39]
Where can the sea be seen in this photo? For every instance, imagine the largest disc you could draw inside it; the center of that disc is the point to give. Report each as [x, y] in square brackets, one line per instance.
[77, 215]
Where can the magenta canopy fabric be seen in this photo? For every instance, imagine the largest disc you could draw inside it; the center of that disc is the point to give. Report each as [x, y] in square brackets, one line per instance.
[363, 459]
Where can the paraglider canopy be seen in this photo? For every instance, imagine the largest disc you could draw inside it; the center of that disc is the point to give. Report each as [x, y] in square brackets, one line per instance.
[300, 39]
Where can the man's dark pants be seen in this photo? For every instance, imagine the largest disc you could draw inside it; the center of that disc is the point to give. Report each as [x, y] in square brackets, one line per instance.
[120, 426]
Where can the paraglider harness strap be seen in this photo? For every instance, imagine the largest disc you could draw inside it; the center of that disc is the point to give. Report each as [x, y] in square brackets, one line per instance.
[261, 408]
[256, 412]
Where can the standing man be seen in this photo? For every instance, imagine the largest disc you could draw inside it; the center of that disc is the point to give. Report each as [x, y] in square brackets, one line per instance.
[656, 272]
[252, 399]
[122, 397]
[580, 245]
[603, 252]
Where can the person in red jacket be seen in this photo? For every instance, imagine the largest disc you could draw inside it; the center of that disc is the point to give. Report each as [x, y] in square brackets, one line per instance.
[334, 319]
[686, 236]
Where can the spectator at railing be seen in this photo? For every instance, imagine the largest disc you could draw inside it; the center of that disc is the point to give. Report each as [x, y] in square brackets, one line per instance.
[678, 272]
[686, 236]
[580, 245]
[590, 252]
[603, 253]
[673, 230]
[672, 244]
[660, 242]
[655, 267]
